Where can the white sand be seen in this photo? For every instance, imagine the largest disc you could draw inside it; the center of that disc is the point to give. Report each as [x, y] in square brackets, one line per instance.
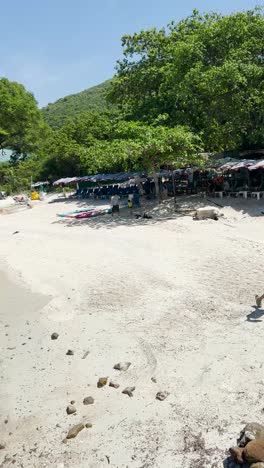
[172, 297]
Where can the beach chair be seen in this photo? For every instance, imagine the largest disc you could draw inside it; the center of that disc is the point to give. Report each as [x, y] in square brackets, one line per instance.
[257, 195]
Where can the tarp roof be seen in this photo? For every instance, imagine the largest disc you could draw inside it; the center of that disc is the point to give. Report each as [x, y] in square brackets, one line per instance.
[235, 166]
[38, 184]
[258, 165]
[119, 177]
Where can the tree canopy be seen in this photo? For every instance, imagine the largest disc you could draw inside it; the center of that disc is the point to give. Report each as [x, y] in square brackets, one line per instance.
[141, 146]
[205, 72]
[21, 125]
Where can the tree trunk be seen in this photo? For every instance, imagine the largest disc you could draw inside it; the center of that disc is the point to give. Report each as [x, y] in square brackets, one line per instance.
[156, 182]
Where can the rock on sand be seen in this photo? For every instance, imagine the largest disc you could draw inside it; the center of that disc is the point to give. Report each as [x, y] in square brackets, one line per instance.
[74, 431]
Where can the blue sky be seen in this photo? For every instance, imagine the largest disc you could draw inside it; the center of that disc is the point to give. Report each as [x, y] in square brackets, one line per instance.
[60, 47]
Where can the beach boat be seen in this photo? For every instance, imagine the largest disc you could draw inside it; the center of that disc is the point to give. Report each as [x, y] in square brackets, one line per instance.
[92, 214]
[81, 210]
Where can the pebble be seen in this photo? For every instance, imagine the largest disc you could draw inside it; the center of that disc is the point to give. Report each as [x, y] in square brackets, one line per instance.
[113, 384]
[162, 396]
[129, 391]
[88, 400]
[2, 445]
[54, 336]
[70, 352]
[154, 379]
[73, 402]
[122, 366]
[88, 425]
[71, 409]
[74, 431]
[102, 382]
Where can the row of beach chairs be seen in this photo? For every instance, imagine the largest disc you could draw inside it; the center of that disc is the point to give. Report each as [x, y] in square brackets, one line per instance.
[105, 193]
[239, 194]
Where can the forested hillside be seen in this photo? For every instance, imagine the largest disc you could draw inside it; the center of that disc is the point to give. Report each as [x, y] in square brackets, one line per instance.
[91, 99]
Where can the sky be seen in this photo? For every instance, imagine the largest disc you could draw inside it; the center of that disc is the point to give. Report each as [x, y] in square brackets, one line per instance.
[60, 47]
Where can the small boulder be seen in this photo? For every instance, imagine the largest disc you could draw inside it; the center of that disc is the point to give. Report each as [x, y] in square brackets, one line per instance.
[122, 366]
[113, 384]
[102, 382]
[74, 431]
[2, 445]
[254, 451]
[88, 425]
[237, 454]
[88, 400]
[129, 391]
[71, 409]
[54, 336]
[73, 402]
[162, 396]
[250, 432]
[153, 379]
[70, 352]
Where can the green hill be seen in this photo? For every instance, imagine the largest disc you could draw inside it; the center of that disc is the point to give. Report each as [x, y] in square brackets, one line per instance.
[56, 113]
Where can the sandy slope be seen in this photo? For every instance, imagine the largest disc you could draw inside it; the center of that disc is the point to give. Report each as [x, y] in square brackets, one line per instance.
[174, 297]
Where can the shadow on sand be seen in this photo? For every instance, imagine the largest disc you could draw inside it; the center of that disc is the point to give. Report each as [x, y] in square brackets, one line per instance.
[255, 315]
[186, 205]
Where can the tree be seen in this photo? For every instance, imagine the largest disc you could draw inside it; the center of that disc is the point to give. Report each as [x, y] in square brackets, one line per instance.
[140, 146]
[205, 72]
[60, 157]
[88, 127]
[152, 146]
[21, 125]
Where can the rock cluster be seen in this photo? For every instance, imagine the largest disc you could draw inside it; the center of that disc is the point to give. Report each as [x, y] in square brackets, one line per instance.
[250, 448]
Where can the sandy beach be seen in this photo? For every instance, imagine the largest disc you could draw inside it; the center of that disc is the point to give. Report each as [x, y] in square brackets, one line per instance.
[173, 296]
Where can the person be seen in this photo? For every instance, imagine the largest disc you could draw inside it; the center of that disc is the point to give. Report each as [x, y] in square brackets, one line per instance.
[259, 300]
[115, 204]
[28, 203]
[164, 192]
[136, 199]
[130, 205]
[226, 186]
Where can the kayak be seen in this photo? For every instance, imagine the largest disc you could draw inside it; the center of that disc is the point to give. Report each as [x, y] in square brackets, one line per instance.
[82, 210]
[91, 214]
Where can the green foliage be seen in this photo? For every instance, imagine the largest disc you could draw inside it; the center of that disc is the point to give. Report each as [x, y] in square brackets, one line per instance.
[89, 127]
[141, 146]
[205, 72]
[21, 125]
[91, 99]
[11, 181]
[151, 146]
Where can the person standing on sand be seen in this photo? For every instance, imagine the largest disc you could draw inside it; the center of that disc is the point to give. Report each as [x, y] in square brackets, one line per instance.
[115, 204]
[259, 300]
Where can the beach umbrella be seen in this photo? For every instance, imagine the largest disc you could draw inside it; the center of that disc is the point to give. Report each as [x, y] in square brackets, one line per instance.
[257, 165]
